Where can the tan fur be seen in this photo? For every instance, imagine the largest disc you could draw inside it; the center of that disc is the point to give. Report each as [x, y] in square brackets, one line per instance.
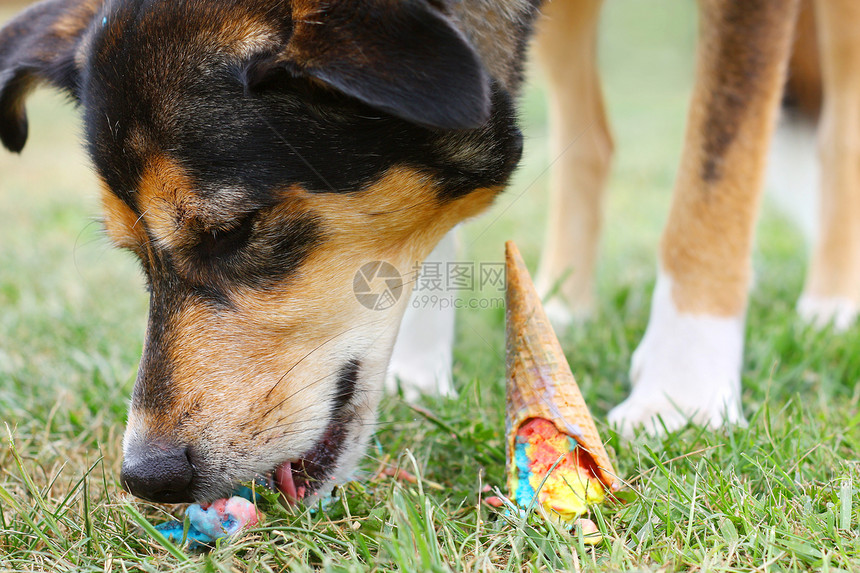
[167, 202]
[222, 359]
[78, 17]
[121, 223]
[707, 242]
[245, 37]
[835, 265]
[581, 140]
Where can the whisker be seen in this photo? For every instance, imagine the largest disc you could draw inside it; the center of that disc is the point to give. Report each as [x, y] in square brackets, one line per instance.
[302, 359]
[375, 423]
[362, 394]
[305, 408]
[310, 384]
[300, 410]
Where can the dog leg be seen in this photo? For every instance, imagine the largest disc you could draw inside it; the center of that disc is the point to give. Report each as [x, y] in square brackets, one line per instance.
[832, 292]
[581, 146]
[689, 362]
[422, 356]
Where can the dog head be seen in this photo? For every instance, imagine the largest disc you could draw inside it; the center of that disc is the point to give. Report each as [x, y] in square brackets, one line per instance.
[257, 157]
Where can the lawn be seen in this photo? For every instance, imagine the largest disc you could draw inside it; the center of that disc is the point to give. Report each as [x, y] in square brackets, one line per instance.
[777, 495]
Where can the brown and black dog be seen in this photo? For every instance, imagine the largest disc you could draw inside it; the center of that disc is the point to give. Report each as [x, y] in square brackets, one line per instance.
[254, 154]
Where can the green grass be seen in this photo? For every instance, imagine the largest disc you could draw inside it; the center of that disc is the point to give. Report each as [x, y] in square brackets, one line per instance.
[778, 495]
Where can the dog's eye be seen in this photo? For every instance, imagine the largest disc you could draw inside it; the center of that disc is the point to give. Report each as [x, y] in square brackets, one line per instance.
[217, 243]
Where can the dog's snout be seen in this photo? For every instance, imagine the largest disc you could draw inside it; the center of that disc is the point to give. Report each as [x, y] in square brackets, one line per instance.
[158, 472]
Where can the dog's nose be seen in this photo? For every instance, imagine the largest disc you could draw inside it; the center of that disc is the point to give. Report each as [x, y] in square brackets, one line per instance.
[158, 472]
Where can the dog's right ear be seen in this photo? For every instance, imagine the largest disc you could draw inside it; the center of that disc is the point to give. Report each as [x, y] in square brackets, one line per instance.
[404, 57]
[39, 45]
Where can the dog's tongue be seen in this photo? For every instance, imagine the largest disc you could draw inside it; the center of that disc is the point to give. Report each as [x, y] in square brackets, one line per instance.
[284, 482]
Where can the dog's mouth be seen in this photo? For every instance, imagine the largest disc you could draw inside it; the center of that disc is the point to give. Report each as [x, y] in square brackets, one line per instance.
[329, 460]
[313, 471]
[299, 478]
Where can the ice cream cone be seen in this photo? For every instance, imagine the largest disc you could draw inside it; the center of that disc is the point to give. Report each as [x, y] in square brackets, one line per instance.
[540, 383]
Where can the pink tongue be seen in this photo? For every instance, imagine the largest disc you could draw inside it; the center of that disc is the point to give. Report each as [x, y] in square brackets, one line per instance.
[285, 483]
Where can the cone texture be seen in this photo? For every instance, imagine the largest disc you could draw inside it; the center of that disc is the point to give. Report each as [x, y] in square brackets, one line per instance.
[540, 383]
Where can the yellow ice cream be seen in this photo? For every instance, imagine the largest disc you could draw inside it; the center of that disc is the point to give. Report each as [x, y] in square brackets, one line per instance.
[571, 486]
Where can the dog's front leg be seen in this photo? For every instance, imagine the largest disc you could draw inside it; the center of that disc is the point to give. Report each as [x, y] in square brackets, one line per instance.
[581, 145]
[688, 364]
[832, 290]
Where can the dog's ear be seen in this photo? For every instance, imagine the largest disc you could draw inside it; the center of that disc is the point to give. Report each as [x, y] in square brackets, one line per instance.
[39, 45]
[405, 57]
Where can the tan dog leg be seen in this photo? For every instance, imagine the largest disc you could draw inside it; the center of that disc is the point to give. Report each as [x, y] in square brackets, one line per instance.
[581, 146]
[832, 291]
[688, 364]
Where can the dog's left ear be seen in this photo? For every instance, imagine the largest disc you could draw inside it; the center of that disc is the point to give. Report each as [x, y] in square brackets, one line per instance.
[405, 57]
[38, 45]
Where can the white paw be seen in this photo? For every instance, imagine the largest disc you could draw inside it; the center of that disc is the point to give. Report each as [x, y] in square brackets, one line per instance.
[820, 311]
[687, 368]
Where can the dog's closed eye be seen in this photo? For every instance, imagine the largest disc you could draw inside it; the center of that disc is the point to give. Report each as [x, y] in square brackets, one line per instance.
[220, 243]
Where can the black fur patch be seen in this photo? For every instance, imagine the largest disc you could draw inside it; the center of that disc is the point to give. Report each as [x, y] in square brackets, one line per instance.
[347, 379]
[251, 127]
[152, 69]
[290, 132]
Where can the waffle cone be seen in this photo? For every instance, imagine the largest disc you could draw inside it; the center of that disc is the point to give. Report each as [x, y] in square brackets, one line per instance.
[540, 383]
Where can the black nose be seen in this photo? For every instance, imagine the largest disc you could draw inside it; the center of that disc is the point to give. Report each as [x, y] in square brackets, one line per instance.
[158, 472]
